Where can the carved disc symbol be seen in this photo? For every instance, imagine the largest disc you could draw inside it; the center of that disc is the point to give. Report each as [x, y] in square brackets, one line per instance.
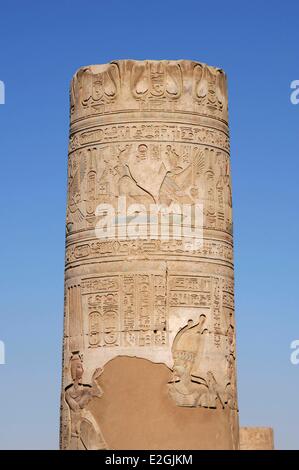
[149, 175]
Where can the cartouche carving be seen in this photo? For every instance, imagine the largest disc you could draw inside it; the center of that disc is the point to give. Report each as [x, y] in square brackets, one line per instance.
[126, 311]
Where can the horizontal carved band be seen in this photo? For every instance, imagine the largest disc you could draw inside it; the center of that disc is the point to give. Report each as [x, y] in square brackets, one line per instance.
[140, 86]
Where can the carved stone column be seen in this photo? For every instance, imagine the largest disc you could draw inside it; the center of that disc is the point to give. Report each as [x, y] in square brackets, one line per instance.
[149, 335]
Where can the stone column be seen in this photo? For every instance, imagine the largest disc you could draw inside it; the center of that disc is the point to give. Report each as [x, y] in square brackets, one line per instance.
[149, 335]
[256, 438]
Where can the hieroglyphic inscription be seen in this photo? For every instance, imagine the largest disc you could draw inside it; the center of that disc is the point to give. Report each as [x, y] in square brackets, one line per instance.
[172, 86]
[216, 309]
[160, 132]
[190, 291]
[93, 249]
[126, 310]
[74, 315]
[150, 133]
[228, 294]
[147, 172]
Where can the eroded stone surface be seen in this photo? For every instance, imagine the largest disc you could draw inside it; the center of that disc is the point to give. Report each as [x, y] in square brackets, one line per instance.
[256, 438]
[152, 133]
[135, 411]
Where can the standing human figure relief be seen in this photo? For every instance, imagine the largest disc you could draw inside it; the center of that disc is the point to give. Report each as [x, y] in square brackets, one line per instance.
[231, 388]
[85, 432]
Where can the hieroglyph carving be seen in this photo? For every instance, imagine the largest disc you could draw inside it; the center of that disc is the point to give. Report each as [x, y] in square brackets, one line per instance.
[143, 135]
[95, 88]
[172, 86]
[156, 84]
[209, 89]
[159, 131]
[93, 249]
[126, 311]
[163, 175]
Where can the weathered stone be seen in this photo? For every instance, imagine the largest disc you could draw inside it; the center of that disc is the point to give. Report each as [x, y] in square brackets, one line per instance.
[149, 310]
[256, 438]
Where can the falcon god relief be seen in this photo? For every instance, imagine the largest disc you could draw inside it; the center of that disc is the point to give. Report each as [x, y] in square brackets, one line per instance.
[149, 333]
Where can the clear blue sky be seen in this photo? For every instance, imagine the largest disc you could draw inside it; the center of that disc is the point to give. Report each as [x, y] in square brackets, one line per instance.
[41, 46]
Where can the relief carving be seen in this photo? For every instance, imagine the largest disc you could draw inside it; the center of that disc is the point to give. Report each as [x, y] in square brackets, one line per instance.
[74, 318]
[154, 81]
[126, 310]
[189, 387]
[173, 86]
[184, 388]
[209, 90]
[94, 249]
[231, 388]
[153, 132]
[190, 291]
[95, 87]
[147, 174]
[75, 205]
[85, 432]
[150, 133]
[128, 185]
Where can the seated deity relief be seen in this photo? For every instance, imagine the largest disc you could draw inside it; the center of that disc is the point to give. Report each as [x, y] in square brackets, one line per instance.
[147, 174]
[186, 387]
[144, 179]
